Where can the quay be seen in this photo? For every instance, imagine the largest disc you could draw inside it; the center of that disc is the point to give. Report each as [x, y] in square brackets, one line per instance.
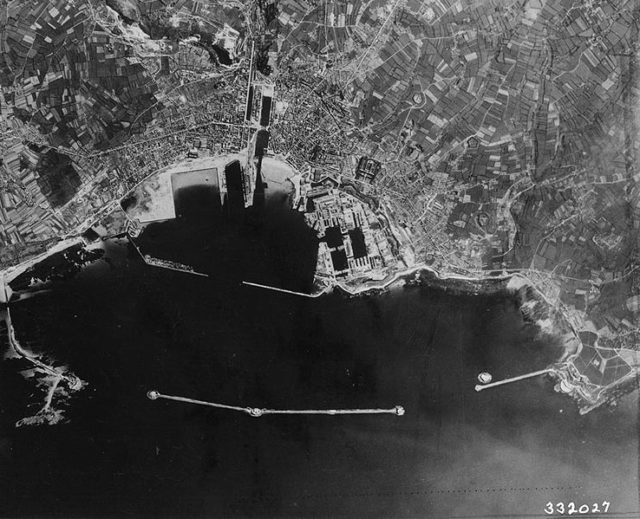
[164, 264]
[257, 412]
[154, 262]
[480, 387]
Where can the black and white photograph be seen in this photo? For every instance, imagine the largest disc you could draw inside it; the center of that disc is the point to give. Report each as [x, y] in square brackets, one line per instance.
[344, 259]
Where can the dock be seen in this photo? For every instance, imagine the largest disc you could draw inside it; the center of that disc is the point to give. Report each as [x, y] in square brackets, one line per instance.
[257, 412]
[480, 387]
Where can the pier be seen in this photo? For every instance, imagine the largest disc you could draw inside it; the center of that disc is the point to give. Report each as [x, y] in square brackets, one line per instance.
[257, 412]
[283, 290]
[480, 387]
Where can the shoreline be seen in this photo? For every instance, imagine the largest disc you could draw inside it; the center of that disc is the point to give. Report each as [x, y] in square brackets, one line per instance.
[436, 278]
[10, 273]
[569, 381]
[53, 377]
[563, 372]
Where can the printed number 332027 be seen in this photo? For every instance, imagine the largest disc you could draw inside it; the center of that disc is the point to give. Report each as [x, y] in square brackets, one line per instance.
[571, 508]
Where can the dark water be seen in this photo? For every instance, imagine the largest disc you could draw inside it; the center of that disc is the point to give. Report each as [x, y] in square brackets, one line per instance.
[127, 328]
[196, 194]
